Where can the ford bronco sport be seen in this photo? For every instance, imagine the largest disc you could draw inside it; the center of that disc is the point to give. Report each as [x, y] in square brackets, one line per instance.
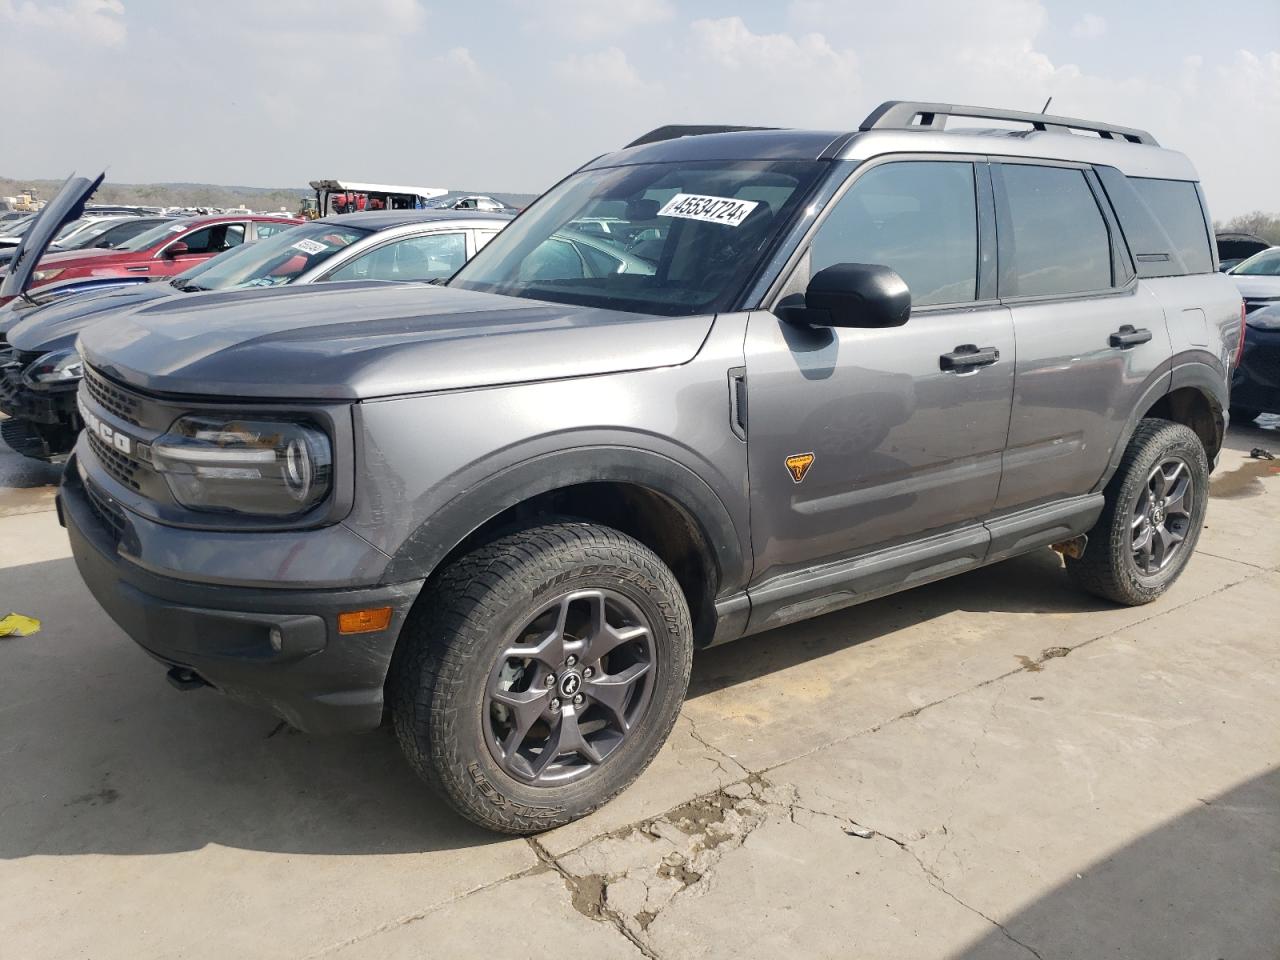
[816, 368]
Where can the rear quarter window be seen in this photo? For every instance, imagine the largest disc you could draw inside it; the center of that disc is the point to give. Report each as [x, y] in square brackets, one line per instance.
[1176, 206]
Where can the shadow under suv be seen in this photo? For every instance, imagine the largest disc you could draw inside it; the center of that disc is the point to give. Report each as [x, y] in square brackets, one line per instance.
[816, 368]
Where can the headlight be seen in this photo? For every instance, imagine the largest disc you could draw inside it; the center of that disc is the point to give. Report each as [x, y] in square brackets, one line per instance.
[40, 276]
[1265, 318]
[258, 467]
[60, 366]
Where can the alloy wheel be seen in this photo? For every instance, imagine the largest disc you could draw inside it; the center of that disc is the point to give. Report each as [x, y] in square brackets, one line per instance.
[569, 687]
[1161, 517]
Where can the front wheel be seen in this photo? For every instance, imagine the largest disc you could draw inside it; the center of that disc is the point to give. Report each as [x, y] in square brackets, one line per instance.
[1155, 506]
[541, 673]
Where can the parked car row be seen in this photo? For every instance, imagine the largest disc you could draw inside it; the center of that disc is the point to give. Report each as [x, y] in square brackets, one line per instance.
[40, 370]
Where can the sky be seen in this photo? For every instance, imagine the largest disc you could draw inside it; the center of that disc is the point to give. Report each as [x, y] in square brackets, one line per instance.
[511, 95]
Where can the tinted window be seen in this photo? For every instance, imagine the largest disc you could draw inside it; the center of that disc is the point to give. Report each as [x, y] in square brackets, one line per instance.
[417, 258]
[1176, 206]
[917, 217]
[1057, 240]
[215, 239]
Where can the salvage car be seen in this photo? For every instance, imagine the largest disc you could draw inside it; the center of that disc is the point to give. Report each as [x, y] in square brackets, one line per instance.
[165, 250]
[40, 370]
[504, 511]
[1235, 247]
[1255, 388]
[101, 233]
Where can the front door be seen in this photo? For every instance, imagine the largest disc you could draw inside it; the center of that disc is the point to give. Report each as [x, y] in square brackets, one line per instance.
[863, 439]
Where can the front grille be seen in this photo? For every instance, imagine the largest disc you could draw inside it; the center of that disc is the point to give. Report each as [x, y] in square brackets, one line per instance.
[122, 469]
[115, 400]
[107, 512]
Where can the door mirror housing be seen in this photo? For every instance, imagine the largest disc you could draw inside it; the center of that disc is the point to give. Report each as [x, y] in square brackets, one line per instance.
[176, 250]
[855, 295]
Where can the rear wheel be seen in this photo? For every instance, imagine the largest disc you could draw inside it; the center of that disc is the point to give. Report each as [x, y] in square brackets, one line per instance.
[1155, 506]
[541, 674]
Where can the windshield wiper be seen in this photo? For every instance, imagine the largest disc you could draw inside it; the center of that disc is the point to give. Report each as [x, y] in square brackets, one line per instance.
[187, 286]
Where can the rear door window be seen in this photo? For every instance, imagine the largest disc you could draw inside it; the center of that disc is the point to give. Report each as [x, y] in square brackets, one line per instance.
[1176, 206]
[1054, 241]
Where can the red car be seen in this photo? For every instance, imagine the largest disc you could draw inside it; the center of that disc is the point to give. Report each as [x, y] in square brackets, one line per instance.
[163, 251]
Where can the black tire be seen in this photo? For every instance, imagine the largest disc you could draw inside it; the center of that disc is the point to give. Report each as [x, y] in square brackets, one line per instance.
[1243, 416]
[1109, 568]
[440, 684]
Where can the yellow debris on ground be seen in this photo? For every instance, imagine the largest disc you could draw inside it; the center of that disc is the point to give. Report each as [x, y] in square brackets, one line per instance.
[16, 625]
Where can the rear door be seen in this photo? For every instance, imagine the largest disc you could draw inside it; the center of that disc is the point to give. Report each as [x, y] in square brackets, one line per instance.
[1090, 338]
[861, 439]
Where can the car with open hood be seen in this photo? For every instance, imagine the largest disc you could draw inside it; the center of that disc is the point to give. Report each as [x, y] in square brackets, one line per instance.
[165, 250]
[798, 370]
[40, 369]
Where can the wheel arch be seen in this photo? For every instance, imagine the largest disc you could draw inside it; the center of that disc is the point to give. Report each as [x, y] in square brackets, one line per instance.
[656, 500]
[1192, 393]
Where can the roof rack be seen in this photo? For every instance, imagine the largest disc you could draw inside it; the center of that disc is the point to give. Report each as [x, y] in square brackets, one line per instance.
[674, 131]
[909, 115]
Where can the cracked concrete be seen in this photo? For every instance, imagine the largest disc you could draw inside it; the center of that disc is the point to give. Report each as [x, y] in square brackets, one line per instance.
[991, 767]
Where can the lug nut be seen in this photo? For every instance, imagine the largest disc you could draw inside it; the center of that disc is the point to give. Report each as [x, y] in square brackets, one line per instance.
[555, 705]
[551, 680]
[571, 660]
[577, 699]
[588, 673]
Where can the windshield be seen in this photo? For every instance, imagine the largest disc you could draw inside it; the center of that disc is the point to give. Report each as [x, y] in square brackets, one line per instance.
[279, 259]
[1264, 264]
[681, 238]
[149, 238]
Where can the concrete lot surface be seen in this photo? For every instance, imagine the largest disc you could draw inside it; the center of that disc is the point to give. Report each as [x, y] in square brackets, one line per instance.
[992, 767]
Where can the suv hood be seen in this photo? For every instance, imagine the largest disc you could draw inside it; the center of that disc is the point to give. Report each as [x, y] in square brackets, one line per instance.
[56, 324]
[66, 205]
[367, 340]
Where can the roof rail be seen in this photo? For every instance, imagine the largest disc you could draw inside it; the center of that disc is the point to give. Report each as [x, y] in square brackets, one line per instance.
[903, 114]
[674, 131]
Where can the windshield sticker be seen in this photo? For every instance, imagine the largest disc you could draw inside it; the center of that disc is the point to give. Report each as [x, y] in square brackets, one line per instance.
[726, 210]
[177, 228]
[310, 246]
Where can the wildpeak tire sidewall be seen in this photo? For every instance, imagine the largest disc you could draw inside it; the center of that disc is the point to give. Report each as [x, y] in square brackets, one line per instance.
[522, 575]
[1108, 568]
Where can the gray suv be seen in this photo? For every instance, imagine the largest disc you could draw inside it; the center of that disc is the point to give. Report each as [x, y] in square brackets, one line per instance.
[801, 370]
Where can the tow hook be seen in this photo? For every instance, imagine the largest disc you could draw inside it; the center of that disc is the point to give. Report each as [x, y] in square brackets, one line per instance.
[1073, 548]
[186, 679]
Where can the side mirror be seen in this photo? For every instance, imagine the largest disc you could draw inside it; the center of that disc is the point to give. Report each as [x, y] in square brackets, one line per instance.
[855, 295]
[176, 250]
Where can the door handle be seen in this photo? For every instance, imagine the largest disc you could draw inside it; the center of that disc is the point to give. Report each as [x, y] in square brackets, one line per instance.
[1127, 336]
[142, 269]
[968, 356]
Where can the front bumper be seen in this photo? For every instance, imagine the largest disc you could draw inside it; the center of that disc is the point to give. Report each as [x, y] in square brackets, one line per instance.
[1256, 382]
[311, 676]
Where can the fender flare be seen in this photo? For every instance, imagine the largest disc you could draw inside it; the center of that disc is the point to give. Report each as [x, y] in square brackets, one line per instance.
[1205, 376]
[422, 552]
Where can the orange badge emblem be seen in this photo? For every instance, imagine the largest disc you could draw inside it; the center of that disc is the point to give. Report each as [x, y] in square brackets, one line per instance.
[798, 465]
